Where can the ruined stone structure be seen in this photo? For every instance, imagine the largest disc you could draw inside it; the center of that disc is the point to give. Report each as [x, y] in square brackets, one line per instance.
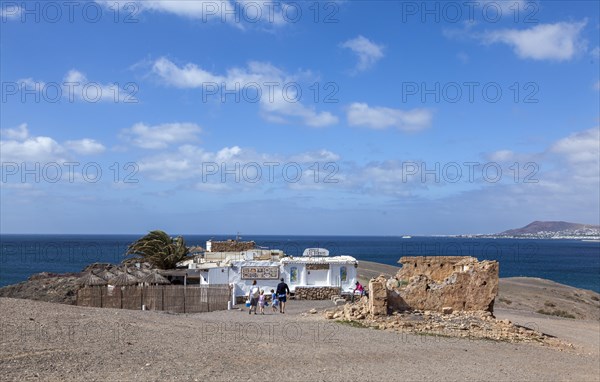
[437, 283]
[316, 293]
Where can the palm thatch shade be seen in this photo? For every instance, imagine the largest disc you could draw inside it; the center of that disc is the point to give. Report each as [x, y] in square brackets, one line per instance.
[90, 279]
[124, 279]
[140, 274]
[156, 279]
[106, 275]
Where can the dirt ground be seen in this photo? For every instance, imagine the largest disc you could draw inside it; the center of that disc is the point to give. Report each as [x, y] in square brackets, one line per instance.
[43, 341]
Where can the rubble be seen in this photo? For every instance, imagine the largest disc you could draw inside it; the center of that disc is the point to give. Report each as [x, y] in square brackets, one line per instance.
[463, 324]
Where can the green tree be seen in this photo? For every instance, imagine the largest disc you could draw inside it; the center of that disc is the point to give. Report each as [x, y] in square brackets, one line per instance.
[159, 249]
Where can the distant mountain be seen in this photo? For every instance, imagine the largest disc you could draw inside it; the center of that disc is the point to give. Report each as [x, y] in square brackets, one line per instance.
[553, 228]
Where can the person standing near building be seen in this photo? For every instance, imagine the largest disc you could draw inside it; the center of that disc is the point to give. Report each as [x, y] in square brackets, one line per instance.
[282, 292]
[253, 297]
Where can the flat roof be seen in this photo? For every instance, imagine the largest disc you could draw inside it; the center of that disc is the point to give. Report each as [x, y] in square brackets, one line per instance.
[319, 260]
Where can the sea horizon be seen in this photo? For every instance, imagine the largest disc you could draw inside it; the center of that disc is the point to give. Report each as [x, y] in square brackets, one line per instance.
[567, 261]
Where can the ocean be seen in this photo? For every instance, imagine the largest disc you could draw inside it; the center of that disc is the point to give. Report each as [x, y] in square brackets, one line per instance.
[571, 262]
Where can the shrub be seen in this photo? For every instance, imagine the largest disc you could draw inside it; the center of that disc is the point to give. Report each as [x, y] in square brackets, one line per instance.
[558, 313]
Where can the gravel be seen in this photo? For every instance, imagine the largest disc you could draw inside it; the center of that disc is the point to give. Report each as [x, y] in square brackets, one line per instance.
[45, 341]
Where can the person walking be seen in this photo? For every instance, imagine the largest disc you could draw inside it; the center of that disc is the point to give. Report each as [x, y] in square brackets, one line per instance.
[282, 292]
[261, 302]
[274, 300]
[253, 297]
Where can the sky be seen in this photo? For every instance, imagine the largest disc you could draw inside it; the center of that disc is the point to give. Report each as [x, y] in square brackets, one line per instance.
[298, 118]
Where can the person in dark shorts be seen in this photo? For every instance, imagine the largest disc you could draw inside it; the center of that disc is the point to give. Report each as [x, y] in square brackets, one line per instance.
[253, 297]
[282, 291]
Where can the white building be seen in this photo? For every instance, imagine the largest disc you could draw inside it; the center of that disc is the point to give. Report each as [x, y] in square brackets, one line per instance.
[314, 269]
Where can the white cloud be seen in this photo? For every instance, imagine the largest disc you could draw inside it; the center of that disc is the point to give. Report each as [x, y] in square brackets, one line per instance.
[560, 41]
[192, 162]
[361, 114]
[76, 86]
[10, 11]
[30, 149]
[581, 147]
[235, 167]
[501, 156]
[85, 147]
[258, 81]
[160, 136]
[20, 133]
[321, 156]
[367, 51]
[189, 76]
[239, 13]
[198, 9]
[19, 146]
[597, 85]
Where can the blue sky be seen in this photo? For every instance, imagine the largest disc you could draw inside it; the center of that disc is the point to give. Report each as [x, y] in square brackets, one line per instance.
[347, 117]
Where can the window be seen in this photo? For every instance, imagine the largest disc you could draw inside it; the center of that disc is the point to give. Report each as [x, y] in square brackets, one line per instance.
[343, 274]
[294, 275]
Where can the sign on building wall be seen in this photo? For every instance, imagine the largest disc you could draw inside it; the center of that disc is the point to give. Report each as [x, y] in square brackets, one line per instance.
[260, 273]
[316, 267]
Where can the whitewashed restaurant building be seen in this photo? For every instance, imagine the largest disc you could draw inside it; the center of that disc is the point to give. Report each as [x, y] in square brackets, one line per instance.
[314, 269]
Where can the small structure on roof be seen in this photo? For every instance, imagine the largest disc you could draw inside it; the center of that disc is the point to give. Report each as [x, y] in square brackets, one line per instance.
[229, 245]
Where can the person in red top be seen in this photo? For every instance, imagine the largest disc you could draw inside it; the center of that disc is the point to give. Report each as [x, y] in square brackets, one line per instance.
[360, 289]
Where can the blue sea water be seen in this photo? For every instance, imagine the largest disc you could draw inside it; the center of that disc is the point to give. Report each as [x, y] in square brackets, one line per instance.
[571, 262]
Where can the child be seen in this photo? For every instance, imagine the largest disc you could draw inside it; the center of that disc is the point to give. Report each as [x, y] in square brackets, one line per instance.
[274, 300]
[261, 302]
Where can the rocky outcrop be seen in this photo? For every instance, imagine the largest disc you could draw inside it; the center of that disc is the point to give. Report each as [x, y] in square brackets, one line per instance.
[460, 283]
[316, 293]
[49, 287]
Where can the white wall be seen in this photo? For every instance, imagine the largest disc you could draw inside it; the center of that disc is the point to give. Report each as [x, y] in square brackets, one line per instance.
[242, 287]
[321, 278]
[233, 275]
[218, 275]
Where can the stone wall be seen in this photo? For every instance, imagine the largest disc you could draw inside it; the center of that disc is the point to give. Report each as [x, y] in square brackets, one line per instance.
[316, 293]
[433, 283]
[436, 268]
[231, 246]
